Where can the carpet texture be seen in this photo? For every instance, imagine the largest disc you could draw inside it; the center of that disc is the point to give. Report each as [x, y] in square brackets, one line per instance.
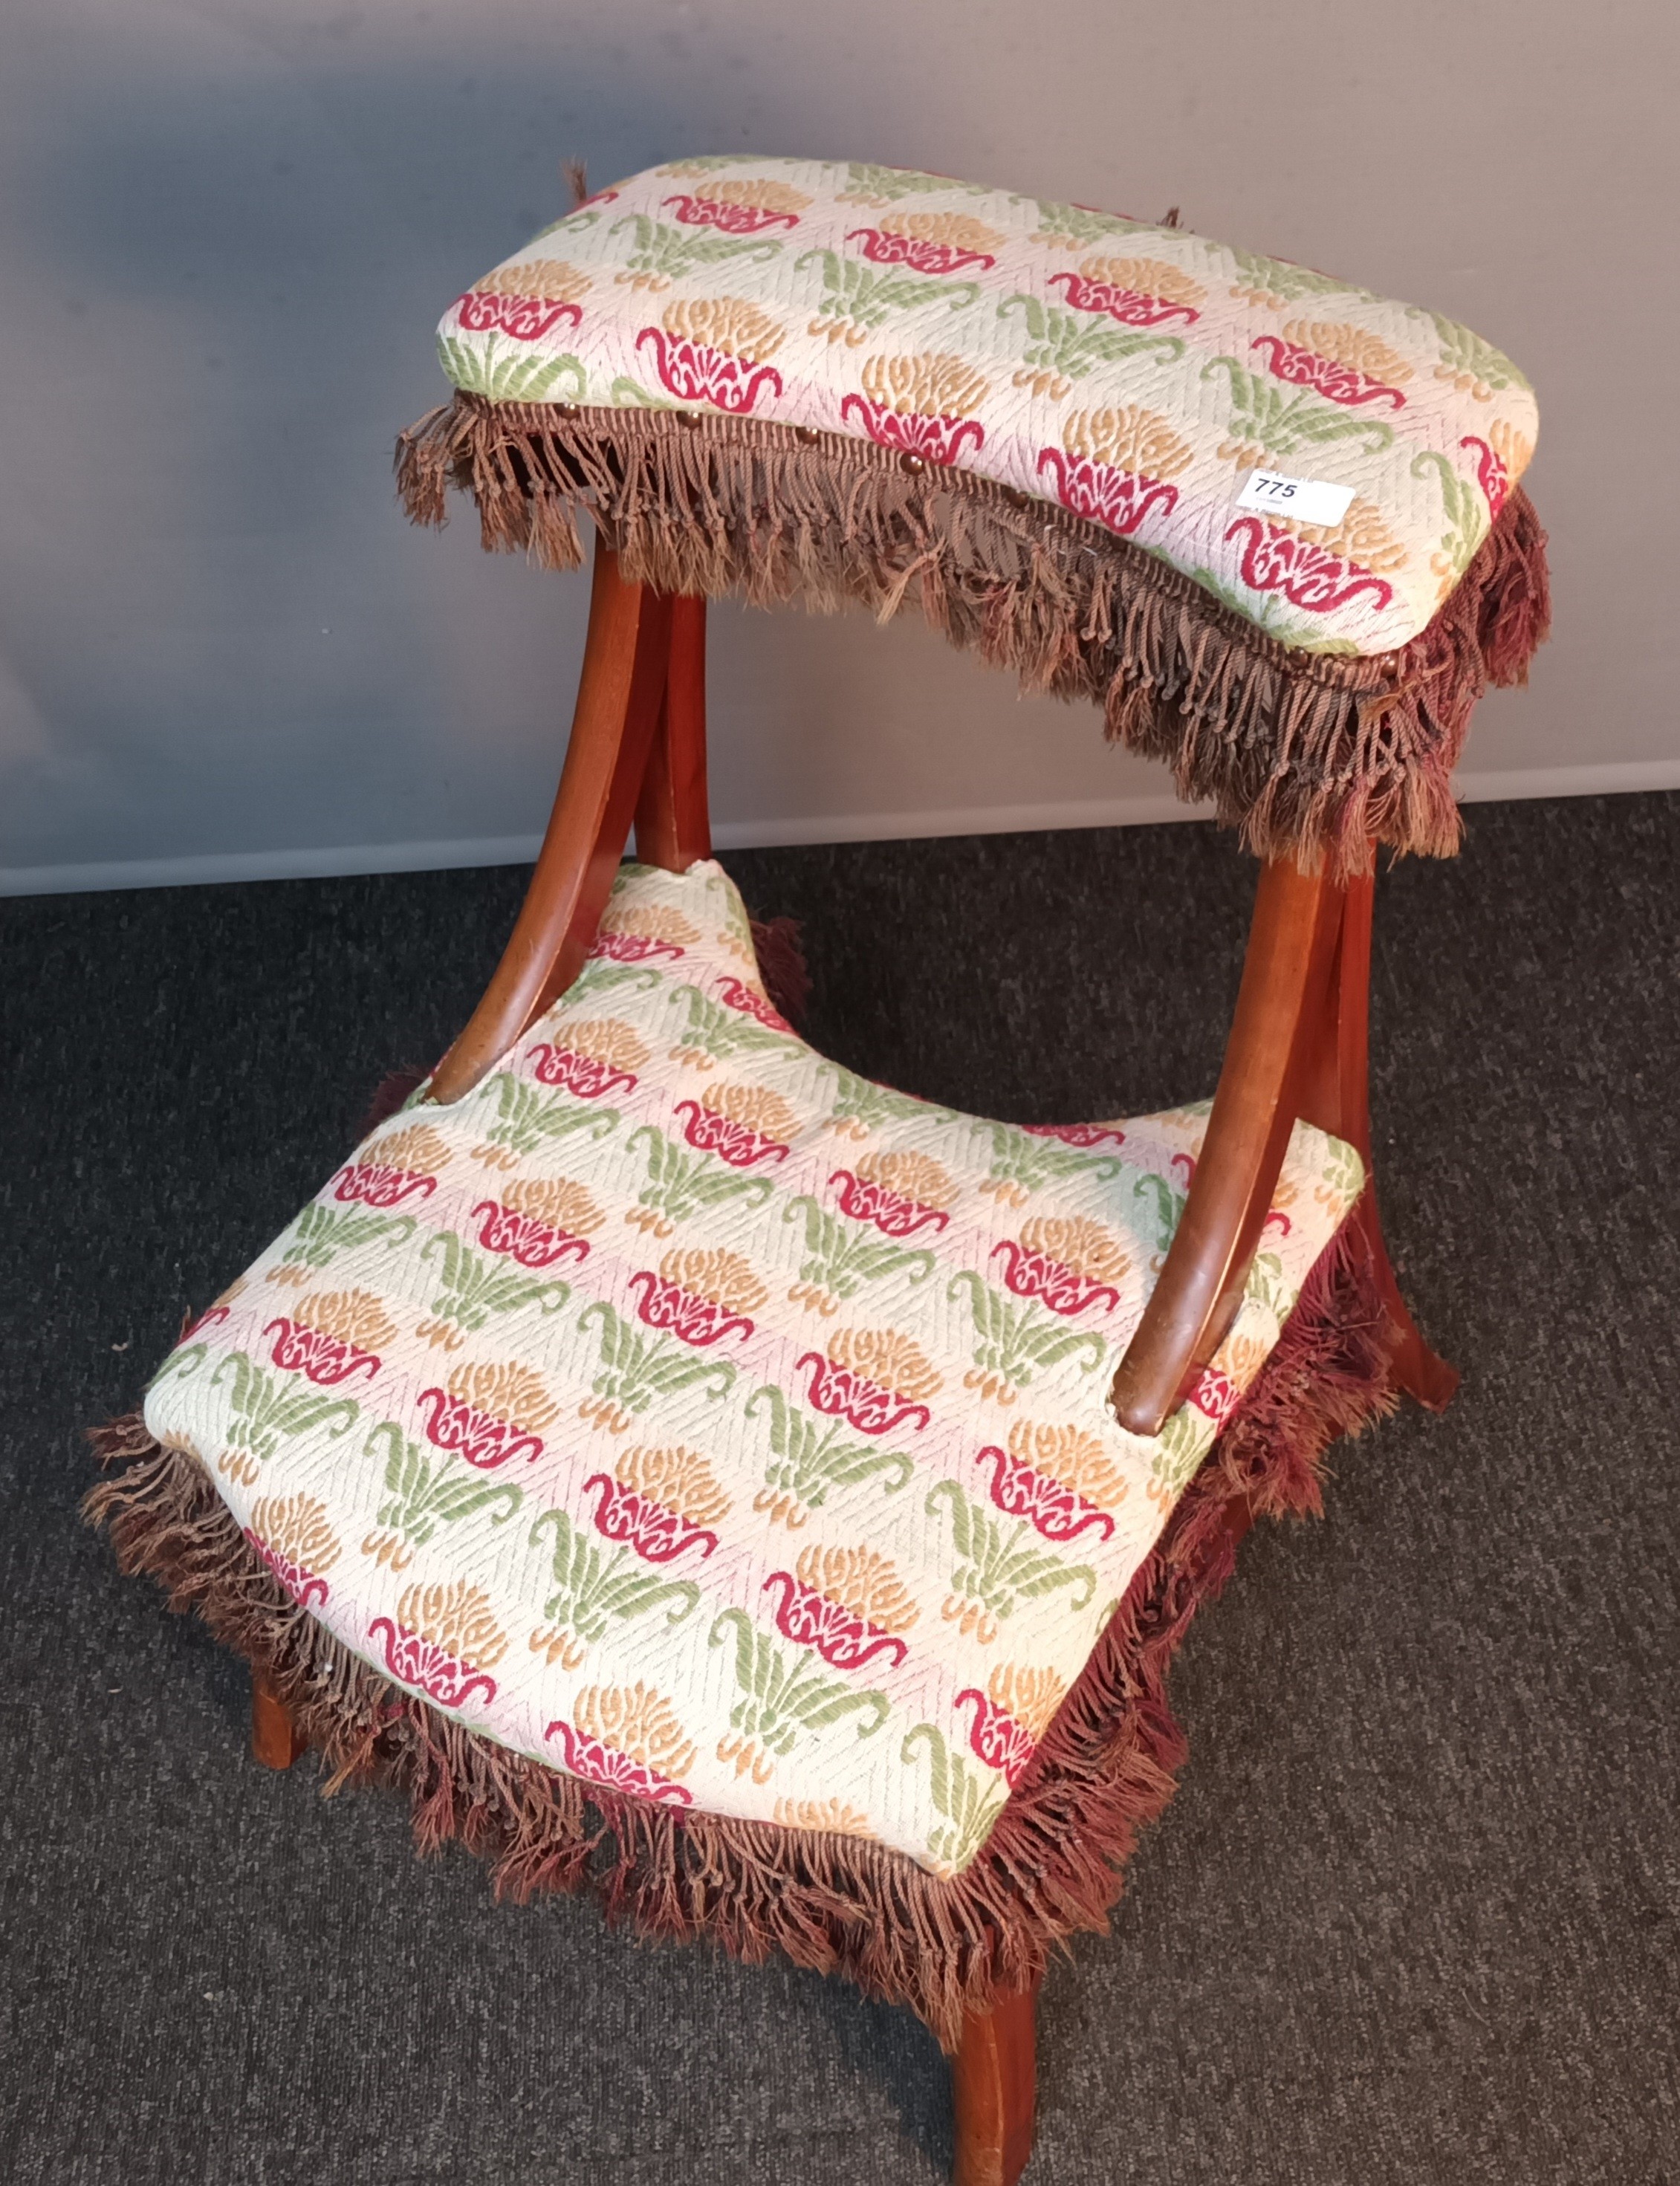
[1412, 1916]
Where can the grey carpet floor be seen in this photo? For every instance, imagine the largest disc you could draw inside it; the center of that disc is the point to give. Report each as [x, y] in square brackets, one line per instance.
[1412, 1917]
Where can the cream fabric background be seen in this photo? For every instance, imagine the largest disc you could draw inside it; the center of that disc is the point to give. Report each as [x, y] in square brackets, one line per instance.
[227, 227]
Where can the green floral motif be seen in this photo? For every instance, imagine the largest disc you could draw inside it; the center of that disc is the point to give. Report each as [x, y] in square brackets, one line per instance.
[475, 1286]
[1478, 367]
[1276, 276]
[1466, 514]
[1267, 1287]
[424, 1491]
[782, 1695]
[601, 976]
[180, 1365]
[866, 183]
[1179, 1448]
[573, 223]
[682, 1181]
[1078, 224]
[637, 1368]
[527, 1120]
[1014, 1338]
[1001, 1566]
[857, 297]
[628, 394]
[810, 1459]
[1267, 417]
[512, 375]
[270, 1408]
[663, 254]
[321, 1233]
[971, 1799]
[1022, 1163]
[862, 1108]
[719, 1034]
[841, 1257]
[1063, 346]
[591, 1590]
[1158, 1207]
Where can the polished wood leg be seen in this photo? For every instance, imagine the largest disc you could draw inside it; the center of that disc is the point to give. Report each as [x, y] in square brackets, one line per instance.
[276, 1740]
[1338, 1099]
[993, 2082]
[673, 819]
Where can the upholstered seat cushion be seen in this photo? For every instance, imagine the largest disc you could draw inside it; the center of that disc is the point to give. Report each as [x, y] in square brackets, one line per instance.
[705, 1422]
[1138, 376]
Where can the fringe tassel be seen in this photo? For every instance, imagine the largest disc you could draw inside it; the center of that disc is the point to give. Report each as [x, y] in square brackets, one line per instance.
[1310, 755]
[1051, 1864]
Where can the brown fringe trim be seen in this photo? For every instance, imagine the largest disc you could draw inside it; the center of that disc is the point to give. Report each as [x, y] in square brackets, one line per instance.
[1311, 755]
[1051, 1864]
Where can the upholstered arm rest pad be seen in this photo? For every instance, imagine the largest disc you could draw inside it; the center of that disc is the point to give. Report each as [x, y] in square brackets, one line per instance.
[1138, 376]
[702, 1419]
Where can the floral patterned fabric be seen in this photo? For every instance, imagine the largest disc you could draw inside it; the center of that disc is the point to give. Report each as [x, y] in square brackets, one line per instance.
[1136, 375]
[705, 1421]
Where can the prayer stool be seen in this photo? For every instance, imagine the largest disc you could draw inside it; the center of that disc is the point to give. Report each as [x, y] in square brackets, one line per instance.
[656, 1429]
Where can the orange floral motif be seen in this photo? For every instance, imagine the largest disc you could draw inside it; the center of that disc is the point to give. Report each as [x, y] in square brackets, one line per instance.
[714, 349]
[489, 1413]
[628, 1739]
[292, 1535]
[332, 1335]
[400, 1164]
[525, 301]
[678, 1479]
[555, 1202]
[835, 1814]
[1135, 292]
[912, 1176]
[1115, 466]
[923, 404]
[1079, 1461]
[445, 1639]
[861, 1580]
[1031, 1696]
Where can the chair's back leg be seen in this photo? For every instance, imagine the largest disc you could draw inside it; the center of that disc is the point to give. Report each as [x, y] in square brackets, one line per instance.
[1337, 1098]
[620, 693]
[276, 1740]
[672, 819]
[993, 2089]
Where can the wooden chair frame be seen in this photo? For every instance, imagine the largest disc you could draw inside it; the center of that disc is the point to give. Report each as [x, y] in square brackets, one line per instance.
[1298, 1047]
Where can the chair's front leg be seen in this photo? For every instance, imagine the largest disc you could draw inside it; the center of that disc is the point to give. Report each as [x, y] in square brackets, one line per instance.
[993, 2085]
[276, 1740]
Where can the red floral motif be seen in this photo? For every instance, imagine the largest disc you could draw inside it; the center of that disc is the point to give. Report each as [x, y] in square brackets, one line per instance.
[597, 1763]
[631, 948]
[1490, 474]
[376, 1186]
[525, 318]
[1077, 1135]
[920, 255]
[694, 373]
[696, 1319]
[891, 1212]
[1130, 307]
[735, 1143]
[416, 1660]
[737, 995]
[1184, 1165]
[997, 1738]
[842, 1394]
[523, 1238]
[1274, 560]
[731, 219]
[481, 1438]
[1051, 1509]
[316, 1355]
[1337, 382]
[306, 1587]
[585, 1075]
[1215, 1395]
[844, 1640]
[1277, 1221]
[657, 1535]
[1119, 499]
[936, 440]
[207, 1319]
[1063, 1289]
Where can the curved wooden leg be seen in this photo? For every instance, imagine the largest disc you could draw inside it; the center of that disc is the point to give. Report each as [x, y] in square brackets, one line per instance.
[673, 821]
[276, 1740]
[994, 2081]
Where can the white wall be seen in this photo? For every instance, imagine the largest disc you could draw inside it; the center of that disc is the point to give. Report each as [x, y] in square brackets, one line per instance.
[228, 227]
